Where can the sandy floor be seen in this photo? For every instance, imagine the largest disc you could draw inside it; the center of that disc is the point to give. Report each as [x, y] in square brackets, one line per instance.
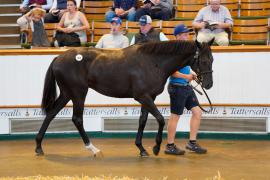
[233, 159]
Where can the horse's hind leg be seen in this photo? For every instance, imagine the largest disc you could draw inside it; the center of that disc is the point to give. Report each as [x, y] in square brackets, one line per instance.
[77, 119]
[148, 102]
[58, 105]
[142, 122]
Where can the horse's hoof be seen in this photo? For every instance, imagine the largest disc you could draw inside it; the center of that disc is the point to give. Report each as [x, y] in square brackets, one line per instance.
[39, 152]
[156, 149]
[144, 154]
[99, 154]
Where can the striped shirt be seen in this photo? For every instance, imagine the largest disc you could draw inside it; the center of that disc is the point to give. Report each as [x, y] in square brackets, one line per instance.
[206, 14]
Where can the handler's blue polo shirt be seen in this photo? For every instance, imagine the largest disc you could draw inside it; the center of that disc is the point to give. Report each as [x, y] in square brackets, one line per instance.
[181, 81]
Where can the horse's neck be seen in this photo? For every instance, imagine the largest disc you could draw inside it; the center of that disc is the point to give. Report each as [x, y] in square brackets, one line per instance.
[173, 63]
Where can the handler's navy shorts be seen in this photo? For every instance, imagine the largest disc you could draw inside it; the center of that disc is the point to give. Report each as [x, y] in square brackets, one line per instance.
[181, 97]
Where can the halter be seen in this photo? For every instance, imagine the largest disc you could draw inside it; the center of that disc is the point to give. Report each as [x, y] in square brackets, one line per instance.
[200, 79]
[196, 60]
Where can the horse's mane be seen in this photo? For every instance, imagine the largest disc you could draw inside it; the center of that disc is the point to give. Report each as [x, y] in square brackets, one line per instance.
[168, 47]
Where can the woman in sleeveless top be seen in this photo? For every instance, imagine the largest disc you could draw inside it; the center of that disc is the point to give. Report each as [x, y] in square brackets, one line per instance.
[74, 21]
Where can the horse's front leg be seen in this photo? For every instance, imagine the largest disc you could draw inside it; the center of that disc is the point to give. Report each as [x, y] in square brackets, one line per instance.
[148, 102]
[142, 122]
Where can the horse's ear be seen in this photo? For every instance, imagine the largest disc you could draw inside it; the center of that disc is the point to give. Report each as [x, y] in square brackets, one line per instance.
[211, 42]
[198, 44]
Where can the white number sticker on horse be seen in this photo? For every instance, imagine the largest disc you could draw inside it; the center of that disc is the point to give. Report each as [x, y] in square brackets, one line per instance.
[79, 57]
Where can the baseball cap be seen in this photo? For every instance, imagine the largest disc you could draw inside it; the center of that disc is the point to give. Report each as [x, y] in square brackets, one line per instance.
[117, 20]
[181, 28]
[145, 19]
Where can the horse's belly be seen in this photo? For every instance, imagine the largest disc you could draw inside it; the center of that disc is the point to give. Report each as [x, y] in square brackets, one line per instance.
[113, 90]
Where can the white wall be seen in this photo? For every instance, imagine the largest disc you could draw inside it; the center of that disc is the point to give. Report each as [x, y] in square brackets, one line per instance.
[238, 78]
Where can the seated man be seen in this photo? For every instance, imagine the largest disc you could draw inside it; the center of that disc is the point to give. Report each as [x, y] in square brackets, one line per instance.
[147, 32]
[115, 39]
[212, 22]
[157, 9]
[123, 9]
[59, 7]
[29, 4]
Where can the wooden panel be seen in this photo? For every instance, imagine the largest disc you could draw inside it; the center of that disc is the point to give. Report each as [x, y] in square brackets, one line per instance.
[9, 30]
[168, 30]
[255, 5]
[96, 38]
[103, 25]
[254, 1]
[9, 9]
[229, 1]
[10, 40]
[101, 31]
[133, 30]
[8, 19]
[250, 29]
[191, 15]
[95, 16]
[251, 22]
[192, 1]
[50, 25]
[98, 3]
[255, 13]
[93, 10]
[231, 6]
[189, 8]
[245, 37]
[170, 37]
[11, 1]
[233, 13]
[175, 23]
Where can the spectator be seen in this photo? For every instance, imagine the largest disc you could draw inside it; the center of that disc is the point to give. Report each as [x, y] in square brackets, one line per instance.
[59, 7]
[73, 25]
[124, 9]
[115, 39]
[29, 4]
[211, 21]
[34, 19]
[147, 32]
[157, 9]
[181, 96]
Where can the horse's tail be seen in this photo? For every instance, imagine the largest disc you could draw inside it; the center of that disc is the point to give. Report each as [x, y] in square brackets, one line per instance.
[49, 90]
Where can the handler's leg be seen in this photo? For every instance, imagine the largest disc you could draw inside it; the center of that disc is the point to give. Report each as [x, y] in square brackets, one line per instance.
[194, 127]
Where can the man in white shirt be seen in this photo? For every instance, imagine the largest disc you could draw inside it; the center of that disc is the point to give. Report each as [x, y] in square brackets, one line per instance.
[115, 39]
[211, 21]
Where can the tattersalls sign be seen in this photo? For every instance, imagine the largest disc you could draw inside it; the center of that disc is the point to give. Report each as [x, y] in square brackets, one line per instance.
[93, 116]
[133, 111]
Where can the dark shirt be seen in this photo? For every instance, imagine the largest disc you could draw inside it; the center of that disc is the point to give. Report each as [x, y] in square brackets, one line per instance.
[125, 4]
[61, 4]
[151, 36]
[40, 2]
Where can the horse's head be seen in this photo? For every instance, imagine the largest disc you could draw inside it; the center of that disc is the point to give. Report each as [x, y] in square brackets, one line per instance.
[202, 64]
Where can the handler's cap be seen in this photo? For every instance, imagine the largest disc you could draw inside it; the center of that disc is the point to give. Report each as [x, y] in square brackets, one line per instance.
[181, 28]
[117, 20]
[145, 19]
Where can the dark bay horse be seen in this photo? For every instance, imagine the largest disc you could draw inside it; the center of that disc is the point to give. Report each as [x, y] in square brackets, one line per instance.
[139, 72]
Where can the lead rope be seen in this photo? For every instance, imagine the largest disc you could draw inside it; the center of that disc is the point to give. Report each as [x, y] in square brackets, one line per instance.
[204, 93]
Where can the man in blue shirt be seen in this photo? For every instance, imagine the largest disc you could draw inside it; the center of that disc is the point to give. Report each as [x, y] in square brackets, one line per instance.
[182, 96]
